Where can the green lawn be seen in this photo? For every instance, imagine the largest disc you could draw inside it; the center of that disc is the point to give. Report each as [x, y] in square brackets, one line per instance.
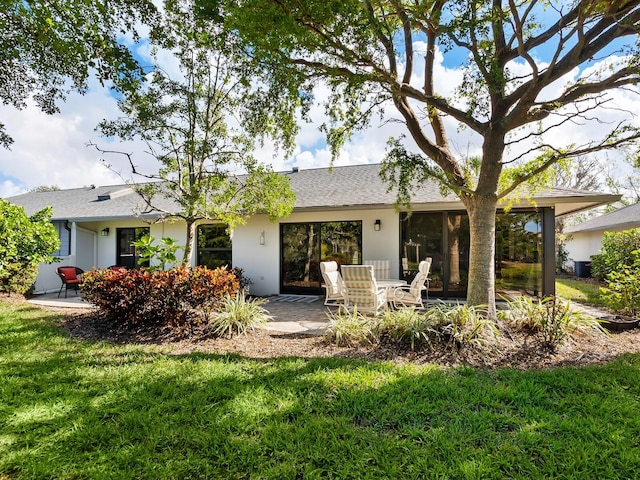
[579, 291]
[77, 410]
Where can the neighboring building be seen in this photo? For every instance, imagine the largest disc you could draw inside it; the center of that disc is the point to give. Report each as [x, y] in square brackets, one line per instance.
[586, 238]
[344, 213]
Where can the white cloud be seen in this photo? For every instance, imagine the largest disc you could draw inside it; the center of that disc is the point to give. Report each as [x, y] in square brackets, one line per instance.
[9, 189]
[51, 150]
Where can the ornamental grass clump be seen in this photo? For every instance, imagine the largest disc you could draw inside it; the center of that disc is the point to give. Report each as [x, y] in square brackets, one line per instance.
[549, 320]
[463, 326]
[238, 315]
[408, 325]
[351, 328]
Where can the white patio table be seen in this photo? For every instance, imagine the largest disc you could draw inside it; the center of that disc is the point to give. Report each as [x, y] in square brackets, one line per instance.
[389, 285]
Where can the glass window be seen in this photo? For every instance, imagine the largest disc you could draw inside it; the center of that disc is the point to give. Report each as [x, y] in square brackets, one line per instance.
[64, 234]
[127, 253]
[214, 246]
[445, 237]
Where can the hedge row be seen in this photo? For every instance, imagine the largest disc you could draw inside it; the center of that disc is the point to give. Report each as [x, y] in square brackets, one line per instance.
[172, 297]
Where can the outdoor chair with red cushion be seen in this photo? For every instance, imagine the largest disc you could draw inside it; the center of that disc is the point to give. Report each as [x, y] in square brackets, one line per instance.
[70, 277]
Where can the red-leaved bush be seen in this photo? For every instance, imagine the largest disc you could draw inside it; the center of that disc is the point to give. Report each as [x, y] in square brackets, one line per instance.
[174, 297]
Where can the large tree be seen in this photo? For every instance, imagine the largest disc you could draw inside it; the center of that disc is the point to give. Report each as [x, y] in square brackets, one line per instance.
[48, 48]
[198, 124]
[516, 56]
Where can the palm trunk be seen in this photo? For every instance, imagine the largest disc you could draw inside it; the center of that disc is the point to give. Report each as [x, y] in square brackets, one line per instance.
[482, 230]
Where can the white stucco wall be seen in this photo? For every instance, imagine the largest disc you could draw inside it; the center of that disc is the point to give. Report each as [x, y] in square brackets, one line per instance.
[261, 263]
[85, 248]
[584, 244]
[48, 280]
[107, 246]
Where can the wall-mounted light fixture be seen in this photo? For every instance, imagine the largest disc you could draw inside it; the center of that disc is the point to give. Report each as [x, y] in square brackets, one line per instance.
[262, 238]
[376, 225]
[105, 232]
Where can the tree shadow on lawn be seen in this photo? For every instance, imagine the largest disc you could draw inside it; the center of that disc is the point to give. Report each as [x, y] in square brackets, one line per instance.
[78, 409]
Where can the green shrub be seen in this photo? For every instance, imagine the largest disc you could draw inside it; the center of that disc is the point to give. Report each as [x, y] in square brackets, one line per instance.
[238, 315]
[598, 267]
[18, 277]
[158, 256]
[351, 328]
[549, 320]
[623, 287]
[618, 264]
[616, 252]
[174, 297]
[407, 325]
[25, 241]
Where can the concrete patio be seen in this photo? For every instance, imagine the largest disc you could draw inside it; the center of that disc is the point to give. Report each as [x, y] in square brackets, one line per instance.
[52, 300]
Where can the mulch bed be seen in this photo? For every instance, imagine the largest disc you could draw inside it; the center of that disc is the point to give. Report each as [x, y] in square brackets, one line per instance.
[515, 349]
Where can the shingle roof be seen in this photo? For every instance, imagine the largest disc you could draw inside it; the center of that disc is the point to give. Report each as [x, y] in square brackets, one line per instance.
[87, 203]
[319, 188]
[622, 219]
[356, 185]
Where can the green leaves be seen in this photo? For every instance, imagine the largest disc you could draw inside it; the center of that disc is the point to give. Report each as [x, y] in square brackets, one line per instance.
[24, 243]
[50, 48]
[157, 256]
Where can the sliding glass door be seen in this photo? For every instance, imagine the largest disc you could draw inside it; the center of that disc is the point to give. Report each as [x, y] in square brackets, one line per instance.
[305, 245]
[443, 236]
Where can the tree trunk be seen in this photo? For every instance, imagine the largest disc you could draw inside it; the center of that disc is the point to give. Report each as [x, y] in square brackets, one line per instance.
[482, 231]
[190, 243]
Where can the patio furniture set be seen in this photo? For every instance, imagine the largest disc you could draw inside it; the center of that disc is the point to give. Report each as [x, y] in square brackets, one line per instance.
[367, 287]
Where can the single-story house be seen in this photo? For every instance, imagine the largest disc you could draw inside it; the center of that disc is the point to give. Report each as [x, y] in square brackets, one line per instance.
[586, 238]
[344, 213]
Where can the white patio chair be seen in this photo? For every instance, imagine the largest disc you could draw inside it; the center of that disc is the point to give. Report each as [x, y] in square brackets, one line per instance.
[411, 295]
[361, 291]
[332, 283]
[380, 268]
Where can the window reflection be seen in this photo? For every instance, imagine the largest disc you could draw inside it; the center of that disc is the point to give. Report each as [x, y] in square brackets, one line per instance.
[518, 251]
[305, 245]
[214, 246]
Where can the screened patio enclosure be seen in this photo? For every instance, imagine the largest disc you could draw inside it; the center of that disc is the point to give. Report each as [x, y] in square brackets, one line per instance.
[444, 236]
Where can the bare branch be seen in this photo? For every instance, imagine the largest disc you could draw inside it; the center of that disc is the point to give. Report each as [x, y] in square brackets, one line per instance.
[610, 142]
